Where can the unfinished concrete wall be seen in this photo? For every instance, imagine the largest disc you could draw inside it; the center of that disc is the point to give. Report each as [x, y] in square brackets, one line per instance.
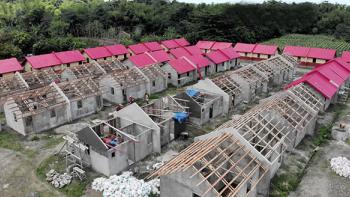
[67, 75]
[180, 184]
[112, 91]
[179, 80]
[14, 119]
[209, 86]
[88, 106]
[134, 113]
[158, 85]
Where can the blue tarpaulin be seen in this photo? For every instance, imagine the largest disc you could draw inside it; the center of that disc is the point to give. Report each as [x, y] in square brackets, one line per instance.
[192, 92]
[180, 116]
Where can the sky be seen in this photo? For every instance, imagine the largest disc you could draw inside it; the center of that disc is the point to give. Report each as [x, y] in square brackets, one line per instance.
[260, 1]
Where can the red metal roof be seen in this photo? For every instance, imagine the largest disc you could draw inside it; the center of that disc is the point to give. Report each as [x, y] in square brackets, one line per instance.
[244, 48]
[117, 49]
[217, 57]
[43, 61]
[230, 53]
[346, 56]
[221, 45]
[203, 44]
[160, 56]
[170, 44]
[142, 60]
[153, 46]
[319, 53]
[97, 52]
[194, 50]
[182, 42]
[199, 60]
[67, 57]
[296, 51]
[181, 65]
[10, 65]
[138, 48]
[326, 78]
[265, 49]
[179, 52]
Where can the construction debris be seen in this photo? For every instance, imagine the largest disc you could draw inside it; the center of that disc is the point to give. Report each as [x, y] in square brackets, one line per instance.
[58, 180]
[125, 185]
[341, 166]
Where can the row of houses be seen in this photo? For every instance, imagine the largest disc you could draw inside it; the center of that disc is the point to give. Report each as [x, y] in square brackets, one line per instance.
[241, 156]
[162, 119]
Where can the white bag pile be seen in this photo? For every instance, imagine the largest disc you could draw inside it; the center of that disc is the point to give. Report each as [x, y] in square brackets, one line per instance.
[341, 166]
[125, 185]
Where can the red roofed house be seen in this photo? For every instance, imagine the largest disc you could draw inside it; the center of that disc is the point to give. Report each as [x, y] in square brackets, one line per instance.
[182, 42]
[169, 44]
[57, 61]
[194, 50]
[346, 56]
[118, 51]
[320, 56]
[8, 67]
[136, 49]
[207, 46]
[106, 53]
[147, 59]
[204, 66]
[331, 80]
[179, 52]
[180, 71]
[253, 52]
[224, 59]
[310, 56]
[153, 46]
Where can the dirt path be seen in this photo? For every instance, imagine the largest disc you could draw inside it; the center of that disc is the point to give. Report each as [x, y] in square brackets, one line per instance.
[320, 180]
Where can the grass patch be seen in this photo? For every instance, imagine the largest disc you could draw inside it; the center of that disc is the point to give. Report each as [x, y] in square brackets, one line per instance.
[52, 141]
[10, 140]
[348, 141]
[75, 189]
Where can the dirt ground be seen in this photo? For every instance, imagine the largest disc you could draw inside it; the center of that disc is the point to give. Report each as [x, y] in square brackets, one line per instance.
[320, 180]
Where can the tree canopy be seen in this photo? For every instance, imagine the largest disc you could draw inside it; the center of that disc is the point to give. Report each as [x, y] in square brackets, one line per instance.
[42, 26]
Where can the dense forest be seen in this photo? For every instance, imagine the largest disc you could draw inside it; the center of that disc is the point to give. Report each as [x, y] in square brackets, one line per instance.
[42, 26]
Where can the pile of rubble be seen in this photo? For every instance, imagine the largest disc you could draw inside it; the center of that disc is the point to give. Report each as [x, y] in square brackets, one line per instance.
[58, 180]
[125, 185]
[341, 166]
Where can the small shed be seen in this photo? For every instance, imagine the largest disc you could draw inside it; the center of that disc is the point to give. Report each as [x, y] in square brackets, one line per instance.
[119, 86]
[37, 110]
[180, 71]
[84, 96]
[203, 106]
[8, 67]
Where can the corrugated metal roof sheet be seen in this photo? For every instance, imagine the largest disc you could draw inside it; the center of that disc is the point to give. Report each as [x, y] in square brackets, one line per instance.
[182, 42]
[265, 49]
[142, 60]
[221, 45]
[296, 51]
[170, 44]
[181, 65]
[67, 57]
[138, 48]
[230, 53]
[160, 56]
[194, 50]
[346, 56]
[217, 57]
[179, 52]
[10, 65]
[204, 44]
[43, 61]
[199, 60]
[320, 53]
[245, 48]
[97, 52]
[117, 49]
[153, 46]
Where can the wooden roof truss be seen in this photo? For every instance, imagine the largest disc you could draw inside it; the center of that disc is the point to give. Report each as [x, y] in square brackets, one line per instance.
[222, 162]
[204, 97]
[40, 78]
[227, 84]
[290, 59]
[129, 78]
[80, 88]
[250, 75]
[280, 64]
[111, 66]
[308, 95]
[266, 68]
[39, 100]
[11, 85]
[163, 108]
[153, 72]
[87, 70]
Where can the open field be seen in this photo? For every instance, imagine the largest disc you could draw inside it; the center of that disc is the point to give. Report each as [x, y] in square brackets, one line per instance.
[320, 41]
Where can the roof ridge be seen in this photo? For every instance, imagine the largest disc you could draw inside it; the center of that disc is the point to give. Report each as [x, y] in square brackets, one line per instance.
[54, 54]
[110, 52]
[190, 62]
[149, 55]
